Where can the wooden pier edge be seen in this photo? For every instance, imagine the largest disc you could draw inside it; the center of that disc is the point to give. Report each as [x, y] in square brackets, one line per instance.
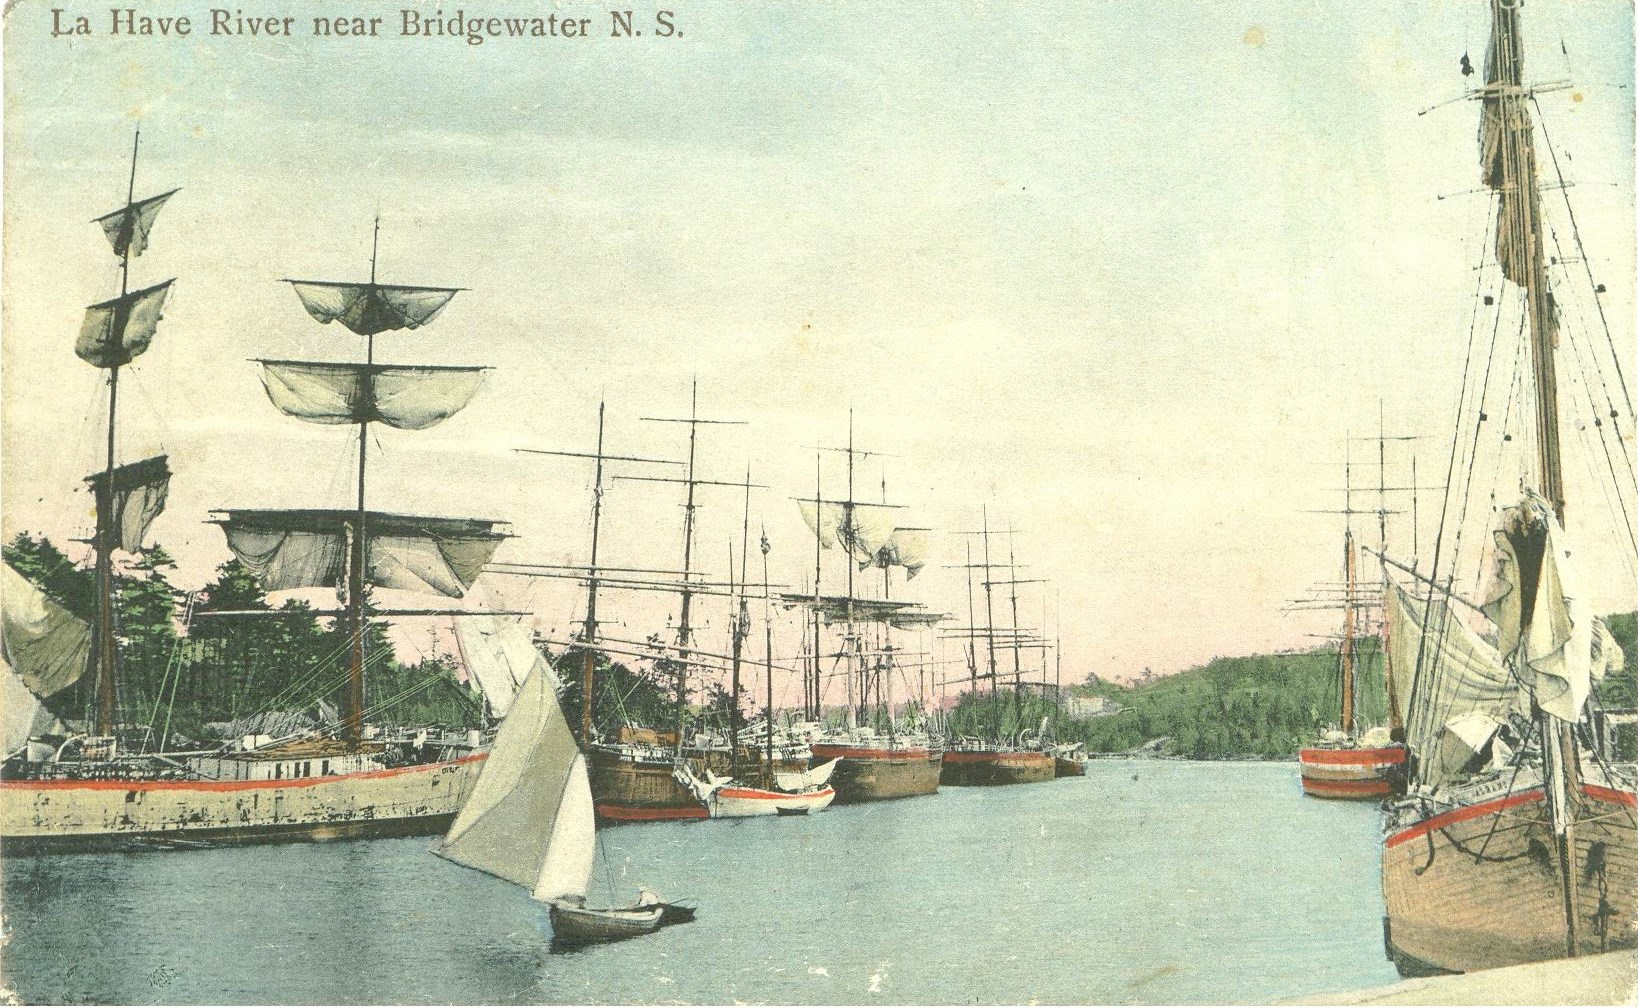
[1607, 979]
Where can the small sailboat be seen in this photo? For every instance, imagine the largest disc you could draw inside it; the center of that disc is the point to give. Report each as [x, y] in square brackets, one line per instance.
[530, 820]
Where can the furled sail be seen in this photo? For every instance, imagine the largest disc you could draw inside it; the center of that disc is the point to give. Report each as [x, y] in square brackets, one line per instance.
[368, 308]
[117, 331]
[406, 397]
[498, 654]
[529, 819]
[44, 644]
[1461, 675]
[907, 548]
[139, 490]
[861, 529]
[127, 228]
[1507, 152]
[307, 548]
[1543, 619]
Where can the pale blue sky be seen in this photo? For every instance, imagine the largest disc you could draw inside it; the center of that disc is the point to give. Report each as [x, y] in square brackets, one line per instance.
[1127, 273]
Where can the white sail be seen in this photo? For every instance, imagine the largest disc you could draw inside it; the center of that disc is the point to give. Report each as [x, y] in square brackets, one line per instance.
[117, 331]
[139, 492]
[1460, 673]
[406, 397]
[1558, 640]
[529, 817]
[368, 308]
[861, 529]
[127, 228]
[499, 656]
[44, 644]
[307, 549]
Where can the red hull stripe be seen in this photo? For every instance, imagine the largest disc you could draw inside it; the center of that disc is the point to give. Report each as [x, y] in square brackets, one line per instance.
[1362, 787]
[993, 757]
[1609, 795]
[823, 751]
[1391, 756]
[761, 795]
[1454, 816]
[234, 785]
[636, 813]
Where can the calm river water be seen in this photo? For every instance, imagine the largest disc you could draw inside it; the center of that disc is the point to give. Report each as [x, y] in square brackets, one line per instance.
[1144, 882]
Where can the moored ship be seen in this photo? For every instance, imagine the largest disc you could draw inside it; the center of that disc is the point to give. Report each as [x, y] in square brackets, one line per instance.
[111, 787]
[1517, 838]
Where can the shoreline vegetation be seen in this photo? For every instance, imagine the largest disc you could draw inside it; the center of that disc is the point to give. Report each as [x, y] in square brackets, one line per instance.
[1252, 707]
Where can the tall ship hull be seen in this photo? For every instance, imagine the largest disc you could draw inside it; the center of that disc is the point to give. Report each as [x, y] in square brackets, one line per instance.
[995, 768]
[638, 784]
[53, 815]
[876, 774]
[1479, 885]
[1350, 773]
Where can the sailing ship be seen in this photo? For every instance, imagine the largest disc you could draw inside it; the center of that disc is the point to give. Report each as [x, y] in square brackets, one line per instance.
[634, 775]
[1350, 764]
[91, 791]
[995, 759]
[530, 818]
[880, 757]
[784, 794]
[1517, 839]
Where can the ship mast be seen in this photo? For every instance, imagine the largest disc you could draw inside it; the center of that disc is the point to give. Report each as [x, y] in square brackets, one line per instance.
[107, 647]
[357, 545]
[113, 334]
[685, 627]
[767, 666]
[1512, 173]
[588, 633]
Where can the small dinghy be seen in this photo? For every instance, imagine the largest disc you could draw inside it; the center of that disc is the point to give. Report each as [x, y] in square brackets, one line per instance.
[792, 793]
[574, 923]
[530, 820]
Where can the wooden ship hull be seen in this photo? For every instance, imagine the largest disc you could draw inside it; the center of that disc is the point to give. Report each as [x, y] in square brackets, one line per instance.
[1068, 767]
[868, 773]
[1351, 774]
[637, 783]
[60, 814]
[1478, 885]
[632, 786]
[995, 768]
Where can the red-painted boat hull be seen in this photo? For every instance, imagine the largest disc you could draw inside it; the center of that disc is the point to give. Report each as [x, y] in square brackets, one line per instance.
[1361, 774]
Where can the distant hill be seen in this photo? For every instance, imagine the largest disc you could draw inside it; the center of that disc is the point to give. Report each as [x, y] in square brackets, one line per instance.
[1257, 706]
[1268, 706]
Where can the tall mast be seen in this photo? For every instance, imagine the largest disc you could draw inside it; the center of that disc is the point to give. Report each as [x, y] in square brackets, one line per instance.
[1346, 653]
[812, 710]
[358, 547]
[1513, 176]
[767, 665]
[972, 623]
[588, 659]
[107, 645]
[1348, 726]
[685, 631]
[588, 632]
[989, 622]
[685, 626]
[855, 652]
[741, 623]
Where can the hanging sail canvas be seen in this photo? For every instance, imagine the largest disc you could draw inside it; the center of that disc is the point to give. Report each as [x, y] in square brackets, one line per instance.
[992, 503]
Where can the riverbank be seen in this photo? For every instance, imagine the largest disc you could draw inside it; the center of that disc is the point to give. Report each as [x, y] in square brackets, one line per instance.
[1608, 979]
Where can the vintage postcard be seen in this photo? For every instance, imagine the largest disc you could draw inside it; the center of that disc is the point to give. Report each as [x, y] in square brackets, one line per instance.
[819, 502]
